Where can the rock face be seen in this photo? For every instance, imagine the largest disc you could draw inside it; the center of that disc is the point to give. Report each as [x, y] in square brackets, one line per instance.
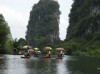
[43, 25]
[84, 20]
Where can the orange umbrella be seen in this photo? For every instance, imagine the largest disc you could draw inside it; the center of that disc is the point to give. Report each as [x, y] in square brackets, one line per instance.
[47, 48]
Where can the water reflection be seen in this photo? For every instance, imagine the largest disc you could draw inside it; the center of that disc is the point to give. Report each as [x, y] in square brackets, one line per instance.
[61, 66]
[41, 66]
[14, 64]
[2, 64]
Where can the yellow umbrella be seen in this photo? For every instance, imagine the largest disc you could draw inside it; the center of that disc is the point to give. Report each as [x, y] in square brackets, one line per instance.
[47, 48]
[31, 50]
[27, 46]
[24, 47]
[36, 49]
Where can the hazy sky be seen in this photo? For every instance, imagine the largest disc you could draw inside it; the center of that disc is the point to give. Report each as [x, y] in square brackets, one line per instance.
[16, 13]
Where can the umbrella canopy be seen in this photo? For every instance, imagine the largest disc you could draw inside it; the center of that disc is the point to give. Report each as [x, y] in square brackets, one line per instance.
[36, 49]
[31, 50]
[59, 49]
[27, 47]
[24, 47]
[47, 48]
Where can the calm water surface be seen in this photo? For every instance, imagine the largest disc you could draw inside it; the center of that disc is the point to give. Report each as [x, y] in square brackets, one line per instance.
[14, 64]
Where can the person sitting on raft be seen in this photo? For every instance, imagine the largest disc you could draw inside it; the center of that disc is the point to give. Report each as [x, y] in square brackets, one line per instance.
[48, 55]
[26, 53]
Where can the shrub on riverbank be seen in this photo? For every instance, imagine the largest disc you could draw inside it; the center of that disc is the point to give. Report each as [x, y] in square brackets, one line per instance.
[81, 47]
[9, 46]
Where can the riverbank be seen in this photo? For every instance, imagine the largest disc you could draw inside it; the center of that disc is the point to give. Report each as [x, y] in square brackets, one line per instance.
[92, 53]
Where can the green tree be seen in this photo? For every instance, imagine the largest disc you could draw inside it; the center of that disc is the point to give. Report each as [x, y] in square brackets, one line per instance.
[4, 31]
[9, 46]
[21, 42]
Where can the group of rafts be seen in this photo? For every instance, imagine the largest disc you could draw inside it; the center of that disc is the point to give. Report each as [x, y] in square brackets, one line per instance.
[30, 51]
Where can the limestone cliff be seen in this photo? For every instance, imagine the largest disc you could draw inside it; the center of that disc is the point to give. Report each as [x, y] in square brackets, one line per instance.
[43, 25]
[84, 20]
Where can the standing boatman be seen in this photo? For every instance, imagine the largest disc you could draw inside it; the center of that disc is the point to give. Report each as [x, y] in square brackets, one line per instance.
[49, 54]
[61, 54]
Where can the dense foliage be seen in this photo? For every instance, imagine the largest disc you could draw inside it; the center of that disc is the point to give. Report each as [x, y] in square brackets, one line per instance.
[83, 35]
[18, 44]
[4, 31]
[9, 46]
[43, 26]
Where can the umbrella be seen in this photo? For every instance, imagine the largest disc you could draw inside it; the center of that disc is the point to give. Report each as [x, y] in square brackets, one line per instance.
[36, 49]
[31, 50]
[47, 48]
[59, 49]
[24, 47]
[27, 47]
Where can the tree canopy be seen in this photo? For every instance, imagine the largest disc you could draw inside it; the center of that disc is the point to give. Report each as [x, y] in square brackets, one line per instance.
[4, 31]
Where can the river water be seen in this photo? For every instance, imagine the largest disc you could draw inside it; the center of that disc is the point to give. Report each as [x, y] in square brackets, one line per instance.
[14, 64]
